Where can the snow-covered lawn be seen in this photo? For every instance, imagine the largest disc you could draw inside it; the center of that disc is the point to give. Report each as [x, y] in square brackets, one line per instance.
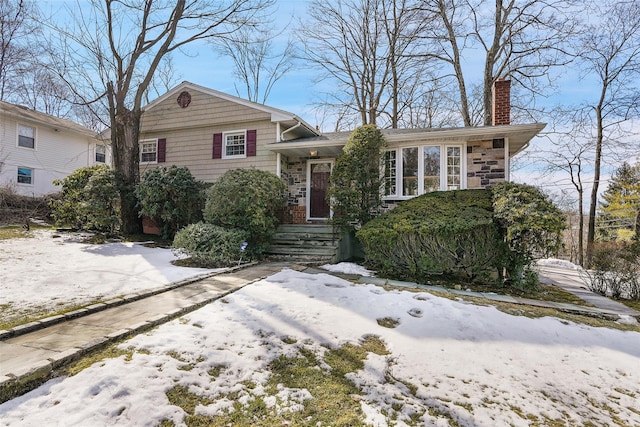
[448, 361]
[52, 271]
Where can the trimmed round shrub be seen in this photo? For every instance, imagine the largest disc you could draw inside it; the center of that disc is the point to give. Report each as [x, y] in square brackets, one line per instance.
[172, 197]
[448, 233]
[247, 199]
[211, 246]
[89, 200]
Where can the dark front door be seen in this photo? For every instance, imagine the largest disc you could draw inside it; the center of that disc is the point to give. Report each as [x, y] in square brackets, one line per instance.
[318, 206]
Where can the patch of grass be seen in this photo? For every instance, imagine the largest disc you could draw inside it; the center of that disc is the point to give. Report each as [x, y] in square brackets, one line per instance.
[14, 232]
[557, 294]
[335, 399]
[374, 344]
[437, 413]
[388, 322]
[110, 352]
[179, 395]
[216, 371]
[631, 304]
[288, 340]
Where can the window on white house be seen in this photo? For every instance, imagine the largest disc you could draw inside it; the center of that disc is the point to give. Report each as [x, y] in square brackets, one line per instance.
[26, 136]
[101, 153]
[411, 171]
[234, 144]
[149, 151]
[454, 168]
[25, 175]
[390, 173]
[431, 167]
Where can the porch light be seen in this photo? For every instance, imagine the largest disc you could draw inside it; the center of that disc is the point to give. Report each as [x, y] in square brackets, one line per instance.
[313, 153]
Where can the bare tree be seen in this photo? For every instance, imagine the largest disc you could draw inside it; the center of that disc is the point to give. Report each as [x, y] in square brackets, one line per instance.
[569, 151]
[16, 28]
[609, 53]
[256, 65]
[520, 39]
[111, 54]
[163, 80]
[365, 51]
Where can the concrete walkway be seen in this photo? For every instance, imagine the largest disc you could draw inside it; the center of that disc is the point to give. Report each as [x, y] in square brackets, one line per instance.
[29, 354]
[571, 281]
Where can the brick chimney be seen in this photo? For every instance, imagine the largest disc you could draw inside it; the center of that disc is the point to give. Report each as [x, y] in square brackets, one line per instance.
[501, 112]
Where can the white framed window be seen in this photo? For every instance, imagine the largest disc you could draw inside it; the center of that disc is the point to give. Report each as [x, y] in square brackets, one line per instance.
[101, 153]
[26, 136]
[412, 171]
[25, 175]
[149, 151]
[234, 144]
[409, 175]
[454, 168]
[431, 168]
[390, 173]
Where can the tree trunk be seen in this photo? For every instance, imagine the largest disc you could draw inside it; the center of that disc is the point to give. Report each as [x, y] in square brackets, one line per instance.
[580, 229]
[591, 230]
[124, 141]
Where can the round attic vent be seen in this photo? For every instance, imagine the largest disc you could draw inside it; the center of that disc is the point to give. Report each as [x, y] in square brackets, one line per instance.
[184, 99]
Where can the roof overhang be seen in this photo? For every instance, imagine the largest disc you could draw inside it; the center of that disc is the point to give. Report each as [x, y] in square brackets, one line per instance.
[41, 119]
[330, 145]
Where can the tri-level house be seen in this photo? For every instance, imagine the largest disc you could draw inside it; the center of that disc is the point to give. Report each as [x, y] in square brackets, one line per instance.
[37, 148]
[211, 132]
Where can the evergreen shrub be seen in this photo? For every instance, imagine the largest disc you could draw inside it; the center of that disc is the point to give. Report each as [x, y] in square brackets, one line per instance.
[355, 182]
[532, 226]
[89, 200]
[247, 199]
[209, 245]
[449, 233]
[172, 197]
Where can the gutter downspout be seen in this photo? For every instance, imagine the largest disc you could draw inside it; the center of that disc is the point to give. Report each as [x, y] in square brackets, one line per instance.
[278, 155]
[290, 129]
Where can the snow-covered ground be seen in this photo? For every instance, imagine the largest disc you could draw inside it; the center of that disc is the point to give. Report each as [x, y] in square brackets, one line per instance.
[51, 271]
[474, 364]
[560, 263]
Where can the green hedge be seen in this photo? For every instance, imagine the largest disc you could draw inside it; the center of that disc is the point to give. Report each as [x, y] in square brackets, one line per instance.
[89, 200]
[172, 197]
[211, 246]
[448, 233]
[247, 199]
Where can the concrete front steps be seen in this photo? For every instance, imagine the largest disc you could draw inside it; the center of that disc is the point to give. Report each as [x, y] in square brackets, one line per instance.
[305, 243]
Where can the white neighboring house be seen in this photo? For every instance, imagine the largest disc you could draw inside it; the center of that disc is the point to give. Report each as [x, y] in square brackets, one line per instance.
[36, 149]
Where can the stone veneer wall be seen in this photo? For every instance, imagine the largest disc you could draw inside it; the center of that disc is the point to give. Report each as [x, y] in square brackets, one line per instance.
[485, 163]
[294, 174]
